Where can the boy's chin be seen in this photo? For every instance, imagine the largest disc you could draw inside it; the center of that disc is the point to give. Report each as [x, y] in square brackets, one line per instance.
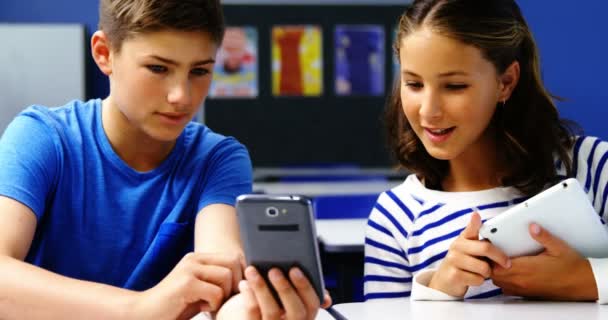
[166, 135]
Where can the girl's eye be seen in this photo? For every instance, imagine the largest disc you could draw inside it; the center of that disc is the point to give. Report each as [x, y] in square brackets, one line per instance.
[157, 68]
[199, 71]
[456, 86]
[414, 85]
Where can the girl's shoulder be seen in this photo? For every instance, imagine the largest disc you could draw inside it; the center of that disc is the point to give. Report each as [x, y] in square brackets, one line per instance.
[586, 144]
[415, 200]
[586, 151]
[411, 190]
[589, 155]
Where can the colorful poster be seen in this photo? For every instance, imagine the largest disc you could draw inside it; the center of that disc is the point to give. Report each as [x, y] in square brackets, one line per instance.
[297, 61]
[359, 60]
[235, 74]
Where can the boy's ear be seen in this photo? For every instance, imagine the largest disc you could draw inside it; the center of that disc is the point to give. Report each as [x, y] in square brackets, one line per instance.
[508, 81]
[101, 51]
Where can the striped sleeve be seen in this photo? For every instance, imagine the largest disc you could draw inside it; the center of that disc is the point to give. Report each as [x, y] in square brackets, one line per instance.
[386, 265]
[589, 157]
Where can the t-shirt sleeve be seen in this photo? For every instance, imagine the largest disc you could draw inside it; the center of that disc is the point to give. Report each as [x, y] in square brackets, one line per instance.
[590, 155]
[229, 174]
[29, 156]
[387, 271]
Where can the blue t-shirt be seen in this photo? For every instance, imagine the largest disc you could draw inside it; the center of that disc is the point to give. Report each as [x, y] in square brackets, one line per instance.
[99, 219]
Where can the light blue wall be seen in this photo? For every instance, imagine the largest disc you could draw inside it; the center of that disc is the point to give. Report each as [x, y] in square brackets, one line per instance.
[571, 36]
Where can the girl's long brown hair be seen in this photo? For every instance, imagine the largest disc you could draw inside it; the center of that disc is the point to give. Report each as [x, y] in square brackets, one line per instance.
[529, 132]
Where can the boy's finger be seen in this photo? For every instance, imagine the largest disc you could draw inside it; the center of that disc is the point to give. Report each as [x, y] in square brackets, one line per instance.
[305, 290]
[251, 304]
[292, 303]
[207, 293]
[216, 275]
[232, 262]
[268, 306]
[327, 302]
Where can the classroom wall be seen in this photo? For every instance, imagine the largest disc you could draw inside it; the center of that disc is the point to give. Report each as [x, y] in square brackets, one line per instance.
[569, 35]
[25, 67]
[60, 11]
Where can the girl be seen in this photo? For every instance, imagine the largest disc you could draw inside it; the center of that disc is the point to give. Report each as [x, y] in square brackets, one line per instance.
[474, 123]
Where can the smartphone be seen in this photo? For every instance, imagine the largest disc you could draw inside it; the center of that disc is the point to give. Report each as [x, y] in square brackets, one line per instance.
[279, 231]
[564, 210]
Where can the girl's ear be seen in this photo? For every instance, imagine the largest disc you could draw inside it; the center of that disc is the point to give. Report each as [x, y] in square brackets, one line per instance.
[508, 81]
[101, 52]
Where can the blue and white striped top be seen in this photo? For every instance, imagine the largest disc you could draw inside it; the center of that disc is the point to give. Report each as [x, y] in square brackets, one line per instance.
[411, 227]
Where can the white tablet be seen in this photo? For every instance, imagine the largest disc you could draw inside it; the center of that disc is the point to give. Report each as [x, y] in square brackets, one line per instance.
[564, 210]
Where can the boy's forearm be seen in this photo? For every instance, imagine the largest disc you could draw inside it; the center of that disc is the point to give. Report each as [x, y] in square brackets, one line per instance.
[29, 292]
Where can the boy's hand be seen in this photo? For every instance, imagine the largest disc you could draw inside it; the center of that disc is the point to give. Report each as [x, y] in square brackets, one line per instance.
[256, 301]
[466, 261]
[535, 276]
[199, 282]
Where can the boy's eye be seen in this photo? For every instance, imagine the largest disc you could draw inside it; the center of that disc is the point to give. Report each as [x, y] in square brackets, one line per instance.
[199, 71]
[456, 86]
[156, 68]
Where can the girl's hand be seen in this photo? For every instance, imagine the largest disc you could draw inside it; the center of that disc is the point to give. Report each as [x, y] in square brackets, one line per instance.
[535, 276]
[466, 263]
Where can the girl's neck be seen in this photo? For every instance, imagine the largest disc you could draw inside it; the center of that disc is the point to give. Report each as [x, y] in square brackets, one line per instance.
[472, 178]
[478, 168]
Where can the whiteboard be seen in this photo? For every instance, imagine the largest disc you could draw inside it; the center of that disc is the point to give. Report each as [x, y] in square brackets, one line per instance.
[40, 64]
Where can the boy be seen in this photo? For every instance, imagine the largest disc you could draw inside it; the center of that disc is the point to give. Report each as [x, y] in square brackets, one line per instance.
[100, 200]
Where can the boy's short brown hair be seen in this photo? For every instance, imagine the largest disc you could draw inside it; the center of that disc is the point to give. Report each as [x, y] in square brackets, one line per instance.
[122, 19]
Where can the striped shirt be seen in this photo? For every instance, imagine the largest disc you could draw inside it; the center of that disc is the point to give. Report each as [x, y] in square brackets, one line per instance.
[411, 227]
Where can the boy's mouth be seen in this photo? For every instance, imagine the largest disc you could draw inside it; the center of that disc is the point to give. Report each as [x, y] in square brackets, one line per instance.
[173, 118]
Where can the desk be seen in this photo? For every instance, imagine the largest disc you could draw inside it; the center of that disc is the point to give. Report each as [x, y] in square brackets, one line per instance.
[341, 235]
[322, 315]
[503, 308]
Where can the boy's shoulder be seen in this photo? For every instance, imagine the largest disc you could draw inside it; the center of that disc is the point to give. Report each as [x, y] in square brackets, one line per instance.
[198, 135]
[74, 108]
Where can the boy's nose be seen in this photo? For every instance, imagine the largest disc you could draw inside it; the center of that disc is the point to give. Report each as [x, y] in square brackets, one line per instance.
[180, 96]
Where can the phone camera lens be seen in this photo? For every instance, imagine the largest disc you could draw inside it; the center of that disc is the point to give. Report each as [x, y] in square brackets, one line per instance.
[272, 212]
[493, 230]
